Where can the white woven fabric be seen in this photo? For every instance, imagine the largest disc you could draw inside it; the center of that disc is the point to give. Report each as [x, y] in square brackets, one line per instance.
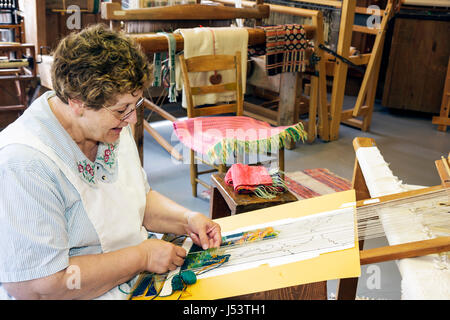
[423, 278]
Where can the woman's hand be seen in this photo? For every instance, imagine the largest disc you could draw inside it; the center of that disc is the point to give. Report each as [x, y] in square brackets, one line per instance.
[161, 256]
[202, 230]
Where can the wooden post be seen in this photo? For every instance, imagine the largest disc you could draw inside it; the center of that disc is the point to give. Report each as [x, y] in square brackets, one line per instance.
[371, 75]
[346, 289]
[321, 82]
[290, 95]
[340, 75]
[443, 120]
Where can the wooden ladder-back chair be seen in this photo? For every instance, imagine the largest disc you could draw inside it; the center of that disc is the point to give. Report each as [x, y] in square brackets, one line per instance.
[215, 63]
[169, 17]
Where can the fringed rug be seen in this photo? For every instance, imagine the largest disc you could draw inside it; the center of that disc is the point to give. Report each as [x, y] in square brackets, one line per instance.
[219, 137]
[309, 183]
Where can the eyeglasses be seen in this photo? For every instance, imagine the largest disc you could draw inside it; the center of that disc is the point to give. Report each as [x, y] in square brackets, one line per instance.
[123, 115]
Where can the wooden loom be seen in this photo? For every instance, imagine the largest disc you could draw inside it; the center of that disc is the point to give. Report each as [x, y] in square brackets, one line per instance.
[346, 289]
[154, 43]
[443, 120]
[291, 83]
[338, 69]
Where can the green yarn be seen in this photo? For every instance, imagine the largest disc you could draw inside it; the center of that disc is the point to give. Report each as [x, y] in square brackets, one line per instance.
[177, 283]
[188, 277]
[182, 279]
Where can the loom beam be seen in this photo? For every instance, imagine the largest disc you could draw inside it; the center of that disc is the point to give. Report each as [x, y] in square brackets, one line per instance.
[114, 11]
[151, 43]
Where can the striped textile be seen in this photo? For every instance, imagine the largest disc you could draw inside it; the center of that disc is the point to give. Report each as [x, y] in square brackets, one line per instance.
[285, 48]
[218, 137]
[311, 183]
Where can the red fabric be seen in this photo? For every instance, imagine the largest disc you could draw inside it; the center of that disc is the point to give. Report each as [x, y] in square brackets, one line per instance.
[244, 178]
[202, 133]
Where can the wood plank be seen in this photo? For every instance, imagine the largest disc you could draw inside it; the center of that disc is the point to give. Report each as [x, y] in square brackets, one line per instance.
[348, 113]
[289, 96]
[151, 106]
[162, 141]
[413, 42]
[256, 109]
[361, 59]
[114, 11]
[18, 107]
[401, 195]
[260, 117]
[310, 291]
[217, 62]
[406, 250]
[363, 29]
[216, 88]
[445, 104]
[220, 109]
[443, 171]
[300, 12]
[441, 121]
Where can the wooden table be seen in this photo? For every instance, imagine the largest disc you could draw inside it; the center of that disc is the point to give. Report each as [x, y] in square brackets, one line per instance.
[225, 202]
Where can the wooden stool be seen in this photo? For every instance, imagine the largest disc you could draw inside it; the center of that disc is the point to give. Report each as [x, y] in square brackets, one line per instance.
[225, 202]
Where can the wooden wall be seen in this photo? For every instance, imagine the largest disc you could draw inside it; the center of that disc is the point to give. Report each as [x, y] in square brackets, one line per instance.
[417, 65]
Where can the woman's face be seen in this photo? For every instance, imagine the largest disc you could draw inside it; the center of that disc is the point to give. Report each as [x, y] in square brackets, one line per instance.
[105, 124]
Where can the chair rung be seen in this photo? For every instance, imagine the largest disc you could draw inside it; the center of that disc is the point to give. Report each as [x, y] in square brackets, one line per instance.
[206, 171]
[203, 183]
[209, 111]
[218, 88]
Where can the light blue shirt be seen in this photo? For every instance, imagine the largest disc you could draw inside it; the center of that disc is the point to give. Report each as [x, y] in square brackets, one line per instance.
[42, 218]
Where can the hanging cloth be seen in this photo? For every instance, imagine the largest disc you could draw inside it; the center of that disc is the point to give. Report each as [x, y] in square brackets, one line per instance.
[157, 71]
[208, 41]
[285, 48]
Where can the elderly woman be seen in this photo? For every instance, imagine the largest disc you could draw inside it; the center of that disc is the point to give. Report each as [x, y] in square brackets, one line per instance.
[75, 204]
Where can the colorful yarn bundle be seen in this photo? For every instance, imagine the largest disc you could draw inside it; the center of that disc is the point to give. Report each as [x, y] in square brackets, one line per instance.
[249, 236]
[197, 262]
[255, 179]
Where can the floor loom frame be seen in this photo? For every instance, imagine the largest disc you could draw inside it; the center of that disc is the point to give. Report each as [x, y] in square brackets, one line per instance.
[346, 289]
[153, 43]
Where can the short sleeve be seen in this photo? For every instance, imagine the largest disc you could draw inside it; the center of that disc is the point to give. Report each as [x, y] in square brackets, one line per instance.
[33, 229]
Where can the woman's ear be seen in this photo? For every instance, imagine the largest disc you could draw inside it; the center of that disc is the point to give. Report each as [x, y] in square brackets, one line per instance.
[77, 106]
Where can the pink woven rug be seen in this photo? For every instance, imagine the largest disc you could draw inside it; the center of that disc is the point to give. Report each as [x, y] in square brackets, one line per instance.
[311, 183]
[219, 136]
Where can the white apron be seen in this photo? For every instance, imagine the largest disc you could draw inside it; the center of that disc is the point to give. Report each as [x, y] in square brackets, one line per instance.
[115, 209]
